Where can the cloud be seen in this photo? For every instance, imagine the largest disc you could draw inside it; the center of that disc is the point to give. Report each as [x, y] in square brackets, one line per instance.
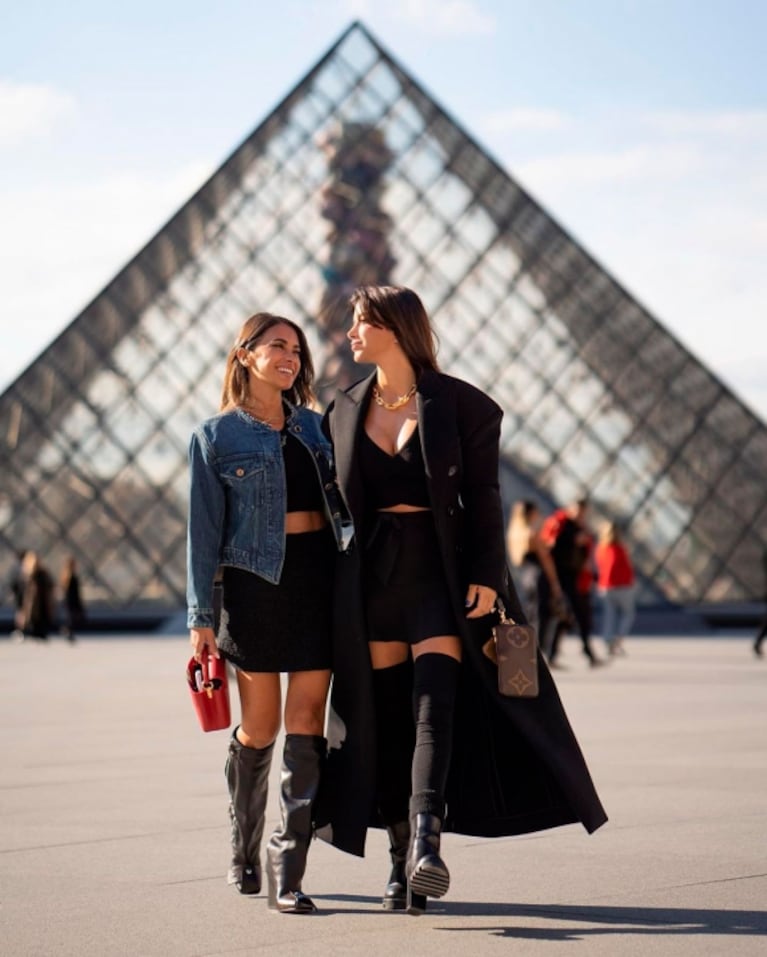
[69, 240]
[674, 206]
[636, 163]
[457, 17]
[741, 123]
[523, 120]
[31, 110]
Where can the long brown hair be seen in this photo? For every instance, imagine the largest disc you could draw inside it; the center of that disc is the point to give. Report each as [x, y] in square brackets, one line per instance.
[235, 387]
[520, 530]
[400, 310]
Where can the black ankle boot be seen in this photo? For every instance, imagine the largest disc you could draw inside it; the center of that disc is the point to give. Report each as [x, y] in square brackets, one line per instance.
[288, 846]
[395, 895]
[247, 774]
[427, 875]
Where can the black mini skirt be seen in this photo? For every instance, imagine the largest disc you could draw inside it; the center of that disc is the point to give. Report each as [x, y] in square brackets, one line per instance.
[283, 627]
[406, 595]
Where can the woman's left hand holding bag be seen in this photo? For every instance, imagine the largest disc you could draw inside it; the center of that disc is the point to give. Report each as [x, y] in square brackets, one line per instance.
[200, 639]
[480, 600]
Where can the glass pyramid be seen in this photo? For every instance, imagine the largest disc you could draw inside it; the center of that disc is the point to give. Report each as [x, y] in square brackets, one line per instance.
[359, 176]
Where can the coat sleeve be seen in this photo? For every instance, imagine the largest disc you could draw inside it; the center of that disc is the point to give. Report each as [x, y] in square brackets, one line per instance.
[479, 423]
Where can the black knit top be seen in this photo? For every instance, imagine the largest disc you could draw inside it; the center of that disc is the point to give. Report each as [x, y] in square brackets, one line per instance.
[393, 479]
[301, 478]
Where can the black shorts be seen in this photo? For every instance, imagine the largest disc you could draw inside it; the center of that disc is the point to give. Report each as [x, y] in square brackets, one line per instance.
[406, 596]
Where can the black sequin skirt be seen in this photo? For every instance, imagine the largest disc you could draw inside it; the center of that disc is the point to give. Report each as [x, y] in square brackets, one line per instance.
[406, 594]
[283, 627]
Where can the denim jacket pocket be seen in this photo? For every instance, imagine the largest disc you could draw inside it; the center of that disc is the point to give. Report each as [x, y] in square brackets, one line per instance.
[247, 480]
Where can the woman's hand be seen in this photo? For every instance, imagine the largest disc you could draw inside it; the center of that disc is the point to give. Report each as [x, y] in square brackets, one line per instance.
[200, 639]
[480, 599]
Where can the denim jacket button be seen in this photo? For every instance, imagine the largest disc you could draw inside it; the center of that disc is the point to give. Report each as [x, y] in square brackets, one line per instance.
[239, 472]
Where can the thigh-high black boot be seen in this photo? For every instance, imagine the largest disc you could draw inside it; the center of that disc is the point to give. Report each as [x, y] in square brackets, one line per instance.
[395, 738]
[286, 852]
[247, 774]
[434, 689]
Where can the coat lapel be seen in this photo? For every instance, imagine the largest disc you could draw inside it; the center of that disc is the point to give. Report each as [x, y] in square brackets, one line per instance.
[349, 408]
[436, 425]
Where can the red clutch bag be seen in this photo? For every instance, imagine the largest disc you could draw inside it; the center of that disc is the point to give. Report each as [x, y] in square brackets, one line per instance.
[209, 687]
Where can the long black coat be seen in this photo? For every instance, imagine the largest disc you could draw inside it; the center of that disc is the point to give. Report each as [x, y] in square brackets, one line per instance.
[516, 765]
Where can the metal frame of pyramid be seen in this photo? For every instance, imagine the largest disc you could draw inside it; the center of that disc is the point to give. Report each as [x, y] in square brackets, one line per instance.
[359, 175]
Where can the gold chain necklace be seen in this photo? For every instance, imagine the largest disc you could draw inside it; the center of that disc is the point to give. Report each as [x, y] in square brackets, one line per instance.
[269, 421]
[398, 402]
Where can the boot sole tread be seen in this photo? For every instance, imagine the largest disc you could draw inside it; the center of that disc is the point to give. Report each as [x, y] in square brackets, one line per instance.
[430, 881]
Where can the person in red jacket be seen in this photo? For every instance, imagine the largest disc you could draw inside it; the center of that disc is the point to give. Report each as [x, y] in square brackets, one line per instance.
[617, 587]
[567, 534]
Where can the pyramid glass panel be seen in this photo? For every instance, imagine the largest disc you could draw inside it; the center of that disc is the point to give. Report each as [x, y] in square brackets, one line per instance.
[360, 176]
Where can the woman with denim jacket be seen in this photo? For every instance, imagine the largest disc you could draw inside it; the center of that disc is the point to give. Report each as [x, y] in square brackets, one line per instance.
[264, 510]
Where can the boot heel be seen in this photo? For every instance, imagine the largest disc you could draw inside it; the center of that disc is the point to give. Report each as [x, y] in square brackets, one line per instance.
[430, 878]
[416, 903]
[250, 882]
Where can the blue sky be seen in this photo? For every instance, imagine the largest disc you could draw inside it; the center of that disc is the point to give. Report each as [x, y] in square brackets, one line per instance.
[640, 126]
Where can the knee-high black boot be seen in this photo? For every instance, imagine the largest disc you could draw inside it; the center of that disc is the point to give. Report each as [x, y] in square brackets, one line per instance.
[434, 689]
[247, 774]
[395, 892]
[395, 738]
[288, 846]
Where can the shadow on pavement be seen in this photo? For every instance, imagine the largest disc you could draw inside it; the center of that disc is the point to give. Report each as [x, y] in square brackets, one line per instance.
[642, 921]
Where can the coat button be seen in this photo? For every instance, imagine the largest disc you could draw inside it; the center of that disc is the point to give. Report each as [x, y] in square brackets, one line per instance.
[453, 470]
[328, 486]
[239, 473]
[451, 510]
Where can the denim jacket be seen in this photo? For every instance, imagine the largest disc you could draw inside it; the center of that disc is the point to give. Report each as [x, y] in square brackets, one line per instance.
[238, 500]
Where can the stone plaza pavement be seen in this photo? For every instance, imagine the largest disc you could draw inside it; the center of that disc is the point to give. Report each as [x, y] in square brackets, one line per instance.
[113, 824]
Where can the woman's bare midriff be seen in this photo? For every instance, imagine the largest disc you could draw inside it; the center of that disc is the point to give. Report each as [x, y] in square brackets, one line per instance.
[297, 522]
[404, 508]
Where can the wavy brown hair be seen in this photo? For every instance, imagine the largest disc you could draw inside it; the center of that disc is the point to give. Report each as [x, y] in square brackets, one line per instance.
[400, 310]
[235, 387]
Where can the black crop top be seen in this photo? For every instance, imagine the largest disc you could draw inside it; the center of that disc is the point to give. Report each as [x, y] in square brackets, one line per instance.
[301, 478]
[393, 479]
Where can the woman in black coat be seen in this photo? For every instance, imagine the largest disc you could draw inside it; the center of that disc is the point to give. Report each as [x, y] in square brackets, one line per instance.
[420, 739]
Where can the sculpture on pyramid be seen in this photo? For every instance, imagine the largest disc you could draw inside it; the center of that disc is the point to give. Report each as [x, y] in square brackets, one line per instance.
[358, 248]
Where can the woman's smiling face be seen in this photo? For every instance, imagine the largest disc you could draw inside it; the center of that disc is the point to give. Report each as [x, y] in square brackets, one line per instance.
[276, 357]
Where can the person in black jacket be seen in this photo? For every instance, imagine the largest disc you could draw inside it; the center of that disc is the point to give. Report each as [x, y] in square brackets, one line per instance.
[37, 610]
[420, 739]
[71, 597]
[762, 632]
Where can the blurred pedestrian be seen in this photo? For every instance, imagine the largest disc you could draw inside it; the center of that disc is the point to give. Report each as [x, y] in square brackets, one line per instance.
[762, 633]
[534, 569]
[37, 610]
[16, 586]
[71, 598]
[616, 585]
[572, 544]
